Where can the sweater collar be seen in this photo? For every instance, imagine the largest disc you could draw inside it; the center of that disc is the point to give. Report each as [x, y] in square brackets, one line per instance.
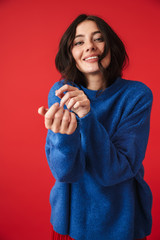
[94, 95]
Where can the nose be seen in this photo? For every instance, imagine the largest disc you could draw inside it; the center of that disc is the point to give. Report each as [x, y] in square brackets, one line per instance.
[90, 46]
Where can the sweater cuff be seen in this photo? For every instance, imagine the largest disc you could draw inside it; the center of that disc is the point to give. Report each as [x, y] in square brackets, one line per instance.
[86, 118]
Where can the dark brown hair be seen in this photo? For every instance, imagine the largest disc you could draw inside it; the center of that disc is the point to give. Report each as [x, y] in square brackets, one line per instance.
[65, 62]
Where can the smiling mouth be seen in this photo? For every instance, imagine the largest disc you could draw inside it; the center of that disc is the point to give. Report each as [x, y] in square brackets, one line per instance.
[90, 58]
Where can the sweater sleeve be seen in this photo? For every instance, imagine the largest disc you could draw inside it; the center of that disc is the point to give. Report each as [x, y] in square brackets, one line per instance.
[114, 159]
[63, 152]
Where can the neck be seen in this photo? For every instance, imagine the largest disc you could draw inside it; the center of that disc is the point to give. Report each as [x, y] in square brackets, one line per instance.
[96, 81]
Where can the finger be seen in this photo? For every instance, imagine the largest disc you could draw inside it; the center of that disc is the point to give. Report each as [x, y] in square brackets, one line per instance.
[84, 103]
[49, 116]
[65, 88]
[68, 96]
[52, 110]
[57, 120]
[42, 110]
[65, 122]
[74, 102]
[60, 95]
[73, 124]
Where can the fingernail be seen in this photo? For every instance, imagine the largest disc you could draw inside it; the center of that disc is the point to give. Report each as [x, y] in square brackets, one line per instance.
[75, 105]
[56, 104]
[56, 92]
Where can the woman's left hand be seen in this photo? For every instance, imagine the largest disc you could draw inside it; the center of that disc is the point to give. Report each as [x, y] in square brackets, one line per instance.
[74, 99]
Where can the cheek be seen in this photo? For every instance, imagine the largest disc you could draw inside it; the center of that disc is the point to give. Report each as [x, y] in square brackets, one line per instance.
[106, 61]
[75, 55]
[101, 47]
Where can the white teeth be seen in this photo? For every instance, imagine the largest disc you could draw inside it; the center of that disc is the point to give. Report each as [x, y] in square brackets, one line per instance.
[91, 58]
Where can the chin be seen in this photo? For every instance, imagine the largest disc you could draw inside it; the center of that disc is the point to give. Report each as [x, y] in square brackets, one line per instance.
[91, 71]
[94, 71]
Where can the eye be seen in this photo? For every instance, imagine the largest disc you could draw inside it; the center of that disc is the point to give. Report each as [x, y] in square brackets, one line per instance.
[78, 43]
[99, 39]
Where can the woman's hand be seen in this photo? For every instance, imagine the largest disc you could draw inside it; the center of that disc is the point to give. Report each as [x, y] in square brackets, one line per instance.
[74, 99]
[59, 120]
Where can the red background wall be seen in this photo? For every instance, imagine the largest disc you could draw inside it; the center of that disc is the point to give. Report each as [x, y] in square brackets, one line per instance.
[29, 36]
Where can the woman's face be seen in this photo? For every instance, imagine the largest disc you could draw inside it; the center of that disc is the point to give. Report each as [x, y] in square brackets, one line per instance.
[88, 45]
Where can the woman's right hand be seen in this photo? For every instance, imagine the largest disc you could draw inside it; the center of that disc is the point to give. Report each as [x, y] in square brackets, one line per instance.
[58, 119]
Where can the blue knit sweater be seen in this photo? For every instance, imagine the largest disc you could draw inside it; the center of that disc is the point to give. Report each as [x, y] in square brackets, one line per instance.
[100, 193]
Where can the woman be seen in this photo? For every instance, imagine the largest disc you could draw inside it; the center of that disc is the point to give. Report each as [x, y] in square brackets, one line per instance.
[98, 127]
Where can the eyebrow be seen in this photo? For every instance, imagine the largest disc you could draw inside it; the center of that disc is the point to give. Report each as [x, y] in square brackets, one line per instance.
[81, 35]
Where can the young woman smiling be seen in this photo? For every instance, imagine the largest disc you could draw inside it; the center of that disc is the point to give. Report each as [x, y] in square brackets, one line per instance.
[98, 128]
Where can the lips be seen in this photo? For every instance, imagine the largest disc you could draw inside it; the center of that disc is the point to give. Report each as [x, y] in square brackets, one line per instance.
[91, 57]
